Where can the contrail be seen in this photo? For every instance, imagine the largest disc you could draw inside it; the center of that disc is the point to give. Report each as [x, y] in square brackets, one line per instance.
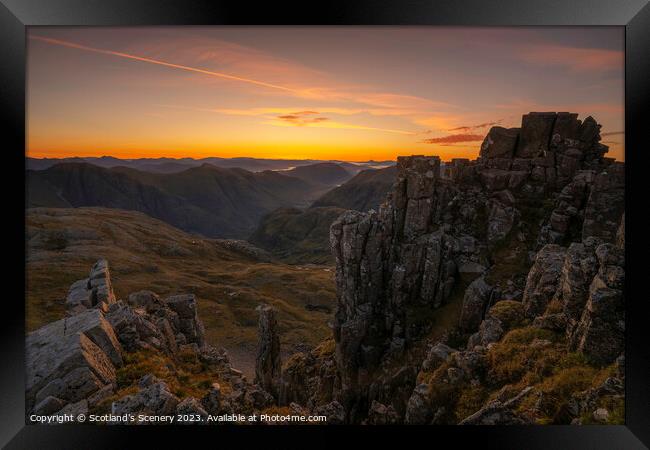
[162, 63]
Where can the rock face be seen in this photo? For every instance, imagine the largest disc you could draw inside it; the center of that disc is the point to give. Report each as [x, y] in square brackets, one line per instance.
[74, 360]
[542, 279]
[394, 264]
[268, 366]
[600, 332]
[66, 366]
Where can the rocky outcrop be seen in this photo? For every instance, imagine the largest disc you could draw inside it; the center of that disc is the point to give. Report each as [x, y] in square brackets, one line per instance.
[533, 190]
[311, 378]
[589, 290]
[268, 366]
[71, 364]
[600, 332]
[95, 291]
[66, 366]
[188, 317]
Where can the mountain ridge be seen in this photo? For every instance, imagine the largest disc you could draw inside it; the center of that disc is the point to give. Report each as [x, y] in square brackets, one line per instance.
[208, 200]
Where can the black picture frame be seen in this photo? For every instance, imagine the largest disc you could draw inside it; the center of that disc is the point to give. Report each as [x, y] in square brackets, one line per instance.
[16, 15]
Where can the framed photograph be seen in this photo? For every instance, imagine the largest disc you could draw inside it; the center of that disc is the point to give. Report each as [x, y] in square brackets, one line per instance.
[372, 218]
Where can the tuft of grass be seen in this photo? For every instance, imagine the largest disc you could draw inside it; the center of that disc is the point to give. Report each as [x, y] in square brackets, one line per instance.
[185, 374]
[469, 401]
[509, 312]
[516, 356]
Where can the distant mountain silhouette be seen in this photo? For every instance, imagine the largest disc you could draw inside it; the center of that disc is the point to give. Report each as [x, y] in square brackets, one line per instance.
[326, 173]
[170, 165]
[366, 190]
[208, 200]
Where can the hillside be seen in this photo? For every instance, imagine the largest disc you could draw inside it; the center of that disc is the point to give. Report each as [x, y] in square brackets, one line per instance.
[365, 191]
[207, 200]
[329, 174]
[297, 236]
[146, 253]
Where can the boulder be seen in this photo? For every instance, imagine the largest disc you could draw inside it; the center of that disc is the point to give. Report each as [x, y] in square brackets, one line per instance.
[48, 405]
[213, 399]
[334, 412]
[380, 414]
[437, 355]
[185, 305]
[154, 398]
[74, 409]
[535, 134]
[192, 408]
[418, 408]
[490, 330]
[475, 302]
[500, 221]
[500, 143]
[66, 365]
[566, 126]
[134, 329]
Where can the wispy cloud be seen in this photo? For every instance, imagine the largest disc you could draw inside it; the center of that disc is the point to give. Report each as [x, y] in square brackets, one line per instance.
[467, 128]
[302, 118]
[454, 139]
[335, 125]
[292, 118]
[281, 76]
[163, 63]
[612, 133]
[576, 59]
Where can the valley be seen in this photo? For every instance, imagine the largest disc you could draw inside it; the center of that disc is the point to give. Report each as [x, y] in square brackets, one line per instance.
[146, 253]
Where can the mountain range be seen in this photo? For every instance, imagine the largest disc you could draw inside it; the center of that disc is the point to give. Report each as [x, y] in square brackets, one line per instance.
[214, 201]
[207, 200]
[170, 165]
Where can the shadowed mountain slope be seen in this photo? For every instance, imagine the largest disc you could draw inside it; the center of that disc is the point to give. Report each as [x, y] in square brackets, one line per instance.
[297, 236]
[330, 174]
[208, 200]
[365, 191]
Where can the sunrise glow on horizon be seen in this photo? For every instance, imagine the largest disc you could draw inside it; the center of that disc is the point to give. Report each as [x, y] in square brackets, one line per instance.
[340, 93]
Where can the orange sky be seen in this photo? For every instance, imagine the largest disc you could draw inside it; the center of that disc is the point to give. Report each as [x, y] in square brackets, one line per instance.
[315, 93]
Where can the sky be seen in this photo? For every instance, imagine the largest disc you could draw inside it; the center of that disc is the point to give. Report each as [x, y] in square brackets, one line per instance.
[343, 93]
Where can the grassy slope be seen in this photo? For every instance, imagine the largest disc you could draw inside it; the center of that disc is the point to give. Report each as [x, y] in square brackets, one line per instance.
[297, 236]
[145, 253]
